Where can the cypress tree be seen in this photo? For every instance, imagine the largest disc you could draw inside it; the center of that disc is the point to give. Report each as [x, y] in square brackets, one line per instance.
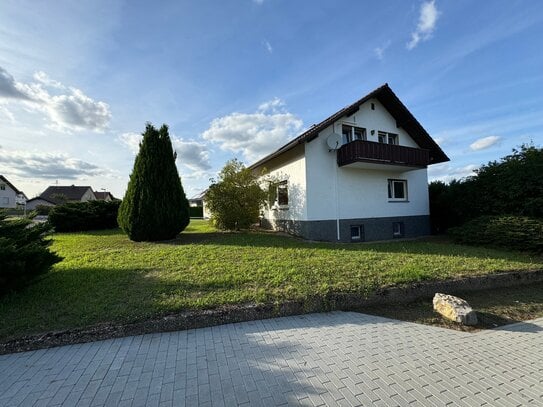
[154, 206]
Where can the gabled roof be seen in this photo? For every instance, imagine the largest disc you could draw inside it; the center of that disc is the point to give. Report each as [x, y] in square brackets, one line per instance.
[102, 195]
[9, 184]
[42, 199]
[395, 107]
[72, 193]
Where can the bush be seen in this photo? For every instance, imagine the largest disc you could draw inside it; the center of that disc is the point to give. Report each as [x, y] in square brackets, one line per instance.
[44, 209]
[511, 232]
[235, 199]
[79, 216]
[24, 252]
[155, 206]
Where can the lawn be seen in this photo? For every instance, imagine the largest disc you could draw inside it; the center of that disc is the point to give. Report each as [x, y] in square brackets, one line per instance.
[105, 277]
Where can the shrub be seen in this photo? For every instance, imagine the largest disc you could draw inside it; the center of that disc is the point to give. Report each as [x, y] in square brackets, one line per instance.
[511, 232]
[79, 216]
[44, 209]
[235, 199]
[24, 252]
[155, 206]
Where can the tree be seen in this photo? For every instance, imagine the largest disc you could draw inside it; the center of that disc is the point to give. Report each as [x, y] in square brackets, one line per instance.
[510, 186]
[24, 252]
[154, 206]
[235, 199]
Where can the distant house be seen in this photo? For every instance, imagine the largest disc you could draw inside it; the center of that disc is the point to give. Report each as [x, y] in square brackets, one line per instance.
[58, 195]
[10, 196]
[104, 196]
[199, 202]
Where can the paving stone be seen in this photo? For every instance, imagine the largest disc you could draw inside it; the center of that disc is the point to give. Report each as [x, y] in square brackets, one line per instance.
[318, 359]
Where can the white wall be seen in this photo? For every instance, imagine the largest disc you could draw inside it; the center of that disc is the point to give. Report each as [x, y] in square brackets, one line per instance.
[290, 167]
[7, 196]
[88, 196]
[362, 193]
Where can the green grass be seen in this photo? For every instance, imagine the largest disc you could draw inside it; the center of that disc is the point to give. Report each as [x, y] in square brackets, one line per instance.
[105, 277]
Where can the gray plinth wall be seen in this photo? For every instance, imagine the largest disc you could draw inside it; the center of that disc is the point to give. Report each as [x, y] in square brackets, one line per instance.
[372, 228]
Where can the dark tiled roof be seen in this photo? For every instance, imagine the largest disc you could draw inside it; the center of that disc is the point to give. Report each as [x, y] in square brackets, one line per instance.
[396, 108]
[72, 193]
[5, 180]
[101, 196]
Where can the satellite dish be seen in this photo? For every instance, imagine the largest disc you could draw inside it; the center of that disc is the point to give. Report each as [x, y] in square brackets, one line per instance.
[334, 141]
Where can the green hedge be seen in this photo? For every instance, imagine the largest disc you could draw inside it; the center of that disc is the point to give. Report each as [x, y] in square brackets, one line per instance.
[24, 252]
[511, 232]
[79, 216]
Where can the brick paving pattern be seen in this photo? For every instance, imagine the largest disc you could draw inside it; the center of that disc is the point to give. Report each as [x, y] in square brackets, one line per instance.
[344, 359]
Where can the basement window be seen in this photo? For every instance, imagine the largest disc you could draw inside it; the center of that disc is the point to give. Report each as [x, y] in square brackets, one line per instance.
[397, 190]
[351, 133]
[397, 229]
[357, 233]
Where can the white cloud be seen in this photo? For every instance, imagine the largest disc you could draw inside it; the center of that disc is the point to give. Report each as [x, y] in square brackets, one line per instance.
[268, 46]
[193, 154]
[46, 165]
[427, 23]
[70, 110]
[446, 172]
[484, 143]
[380, 51]
[254, 134]
[7, 114]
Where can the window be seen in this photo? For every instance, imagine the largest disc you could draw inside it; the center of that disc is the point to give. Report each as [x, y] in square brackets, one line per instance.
[351, 133]
[397, 229]
[3, 187]
[357, 232]
[5, 201]
[388, 138]
[282, 193]
[397, 190]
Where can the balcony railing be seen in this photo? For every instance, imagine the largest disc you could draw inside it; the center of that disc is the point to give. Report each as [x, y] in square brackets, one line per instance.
[381, 153]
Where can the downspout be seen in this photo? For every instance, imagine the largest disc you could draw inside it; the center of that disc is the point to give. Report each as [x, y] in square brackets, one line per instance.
[336, 191]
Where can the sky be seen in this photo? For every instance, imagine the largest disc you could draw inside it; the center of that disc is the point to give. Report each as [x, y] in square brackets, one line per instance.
[239, 78]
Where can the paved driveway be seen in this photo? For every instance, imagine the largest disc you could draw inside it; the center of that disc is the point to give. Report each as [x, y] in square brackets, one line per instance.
[318, 359]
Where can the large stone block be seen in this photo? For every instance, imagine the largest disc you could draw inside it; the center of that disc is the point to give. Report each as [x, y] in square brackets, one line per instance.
[454, 308]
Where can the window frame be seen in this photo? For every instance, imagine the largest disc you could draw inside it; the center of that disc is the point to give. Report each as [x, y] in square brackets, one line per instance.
[2, 187]
[401, 231]
[360, 237]
[349, 138]
[283, 186]
[385, 137]
[391, 191]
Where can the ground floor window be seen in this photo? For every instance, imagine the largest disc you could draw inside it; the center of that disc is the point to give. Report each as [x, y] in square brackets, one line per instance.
[357, 232]
[5, 201]
[397, 229]
[397, 190]
[282, 193]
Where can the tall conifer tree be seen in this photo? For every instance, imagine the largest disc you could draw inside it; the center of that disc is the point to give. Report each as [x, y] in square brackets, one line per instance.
[154, 206]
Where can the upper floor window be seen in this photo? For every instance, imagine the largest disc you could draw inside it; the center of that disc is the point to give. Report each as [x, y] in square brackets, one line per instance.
[397, 190]
[3, 187]
[351, 133]
[387, 138]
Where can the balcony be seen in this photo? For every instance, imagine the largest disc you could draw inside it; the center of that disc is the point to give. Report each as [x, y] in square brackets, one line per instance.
[369, 154]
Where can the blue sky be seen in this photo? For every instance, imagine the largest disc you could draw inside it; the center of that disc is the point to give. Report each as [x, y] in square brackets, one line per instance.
[78, 80]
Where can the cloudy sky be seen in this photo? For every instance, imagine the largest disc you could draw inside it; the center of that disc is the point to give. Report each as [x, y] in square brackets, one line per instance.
[239, 78]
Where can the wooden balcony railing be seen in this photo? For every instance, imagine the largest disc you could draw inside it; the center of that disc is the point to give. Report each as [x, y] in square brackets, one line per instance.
[380, 153]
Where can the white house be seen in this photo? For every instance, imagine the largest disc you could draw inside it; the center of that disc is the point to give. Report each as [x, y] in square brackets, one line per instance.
[10, 197]
[359, 175]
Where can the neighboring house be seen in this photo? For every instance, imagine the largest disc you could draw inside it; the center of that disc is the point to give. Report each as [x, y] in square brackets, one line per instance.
[359, 175]
[62, 194]
[33, 203]
[104, 196]
[10, 196]
[198, 201]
